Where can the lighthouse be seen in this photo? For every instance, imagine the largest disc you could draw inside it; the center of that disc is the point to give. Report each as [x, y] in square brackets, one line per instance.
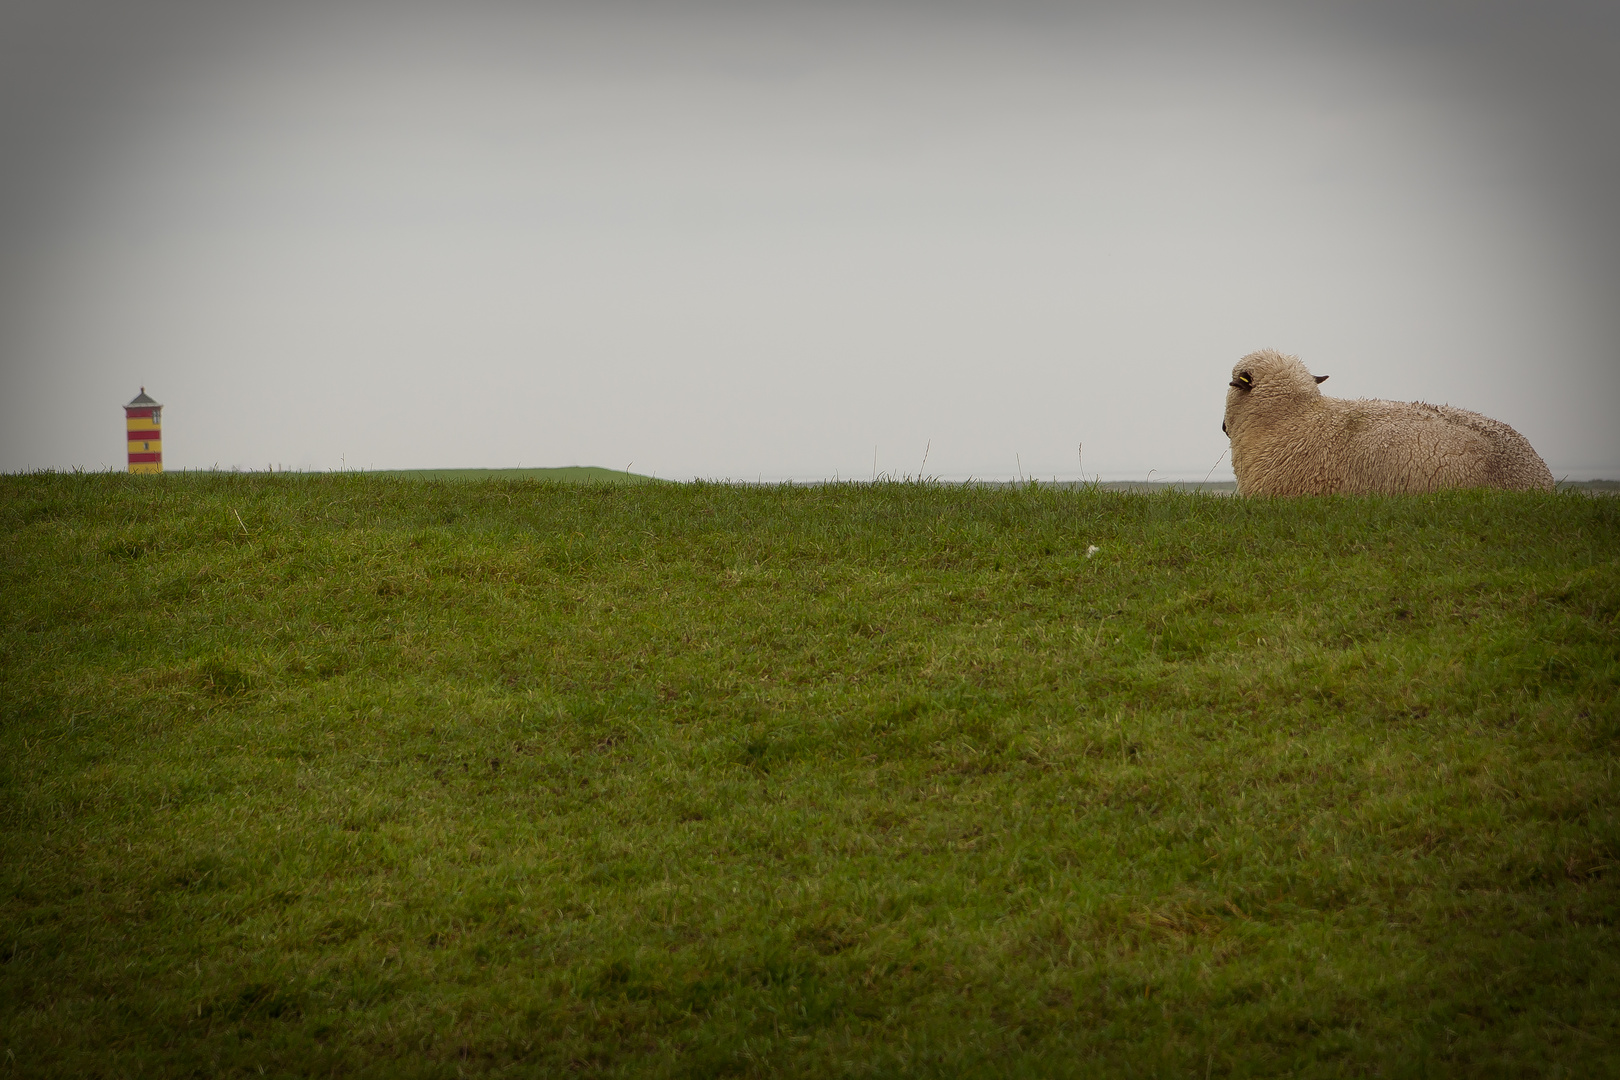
[143, 420]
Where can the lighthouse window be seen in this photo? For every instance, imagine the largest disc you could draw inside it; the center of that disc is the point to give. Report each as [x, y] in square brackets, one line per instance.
[155, 420]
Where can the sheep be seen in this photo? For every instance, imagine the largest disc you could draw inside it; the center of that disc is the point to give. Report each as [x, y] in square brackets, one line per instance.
[1289, 439]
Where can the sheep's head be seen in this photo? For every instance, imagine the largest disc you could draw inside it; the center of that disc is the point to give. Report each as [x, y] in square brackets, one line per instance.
[1267, 382]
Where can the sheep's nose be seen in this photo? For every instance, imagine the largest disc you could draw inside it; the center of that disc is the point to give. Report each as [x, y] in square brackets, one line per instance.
[1223, 428]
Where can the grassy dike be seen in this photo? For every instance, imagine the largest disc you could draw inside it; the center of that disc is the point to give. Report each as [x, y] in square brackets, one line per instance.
[347, 774]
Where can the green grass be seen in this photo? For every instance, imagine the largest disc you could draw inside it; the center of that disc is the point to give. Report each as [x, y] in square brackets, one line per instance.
[406, 778]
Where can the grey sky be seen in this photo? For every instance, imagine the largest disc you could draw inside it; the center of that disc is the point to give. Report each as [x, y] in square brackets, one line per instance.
[761, 240]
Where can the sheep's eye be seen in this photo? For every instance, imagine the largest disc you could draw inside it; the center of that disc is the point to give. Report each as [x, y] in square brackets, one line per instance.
[1244, 381]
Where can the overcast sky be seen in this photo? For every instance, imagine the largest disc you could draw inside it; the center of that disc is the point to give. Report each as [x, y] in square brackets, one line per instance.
[795, 240]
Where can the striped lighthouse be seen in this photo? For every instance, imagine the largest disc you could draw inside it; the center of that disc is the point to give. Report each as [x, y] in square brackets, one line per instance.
[143, 419]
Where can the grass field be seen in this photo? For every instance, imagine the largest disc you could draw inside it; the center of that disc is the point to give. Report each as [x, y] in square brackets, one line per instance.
[360, 775]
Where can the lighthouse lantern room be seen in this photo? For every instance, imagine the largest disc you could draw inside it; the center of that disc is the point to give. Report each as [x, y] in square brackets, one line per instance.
[144, 423]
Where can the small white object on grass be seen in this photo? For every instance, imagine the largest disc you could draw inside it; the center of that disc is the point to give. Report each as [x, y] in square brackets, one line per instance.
[1092, 550]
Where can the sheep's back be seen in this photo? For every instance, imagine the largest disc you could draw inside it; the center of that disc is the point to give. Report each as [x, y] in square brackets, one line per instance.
[1392, 446]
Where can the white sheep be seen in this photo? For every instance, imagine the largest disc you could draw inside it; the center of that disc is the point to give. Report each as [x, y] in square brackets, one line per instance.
[1288, 439]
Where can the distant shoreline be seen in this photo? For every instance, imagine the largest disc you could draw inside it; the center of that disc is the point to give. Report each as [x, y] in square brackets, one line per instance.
[589, 474]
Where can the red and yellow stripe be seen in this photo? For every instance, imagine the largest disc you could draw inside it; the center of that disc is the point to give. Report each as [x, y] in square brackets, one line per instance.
[145, 440]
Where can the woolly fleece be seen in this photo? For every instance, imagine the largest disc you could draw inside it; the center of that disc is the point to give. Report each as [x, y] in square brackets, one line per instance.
[1289, 439]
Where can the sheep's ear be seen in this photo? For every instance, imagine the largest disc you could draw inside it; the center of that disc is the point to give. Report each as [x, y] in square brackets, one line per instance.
[1321, 378]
